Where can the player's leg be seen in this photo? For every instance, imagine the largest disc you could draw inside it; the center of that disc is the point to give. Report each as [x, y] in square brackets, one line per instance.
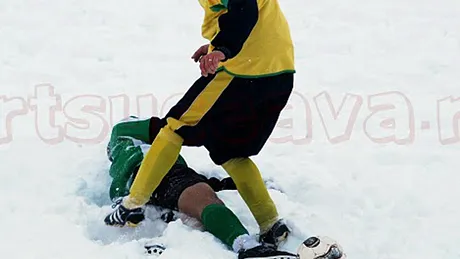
[124, 150]
[201, 202]
[244, 134]
[250, 185]
[186, 191]
[165, 149]
[167, 143]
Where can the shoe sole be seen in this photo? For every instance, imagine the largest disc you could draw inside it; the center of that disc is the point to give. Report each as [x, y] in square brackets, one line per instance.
[131, 224]
[128, 224]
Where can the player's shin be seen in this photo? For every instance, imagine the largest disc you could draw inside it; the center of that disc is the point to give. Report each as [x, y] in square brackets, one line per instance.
[251, 187]
[224, 224]
[159, 159]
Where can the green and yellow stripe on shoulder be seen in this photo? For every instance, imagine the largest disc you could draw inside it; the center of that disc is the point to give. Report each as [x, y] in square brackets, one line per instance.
[218, 5]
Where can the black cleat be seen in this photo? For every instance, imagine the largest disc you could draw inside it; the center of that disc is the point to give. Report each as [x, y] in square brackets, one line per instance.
[276, 235]
[122, 216]
[265, 252]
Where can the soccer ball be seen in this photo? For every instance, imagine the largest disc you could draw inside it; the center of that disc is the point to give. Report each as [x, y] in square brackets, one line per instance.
[154, 249]
[320, 247]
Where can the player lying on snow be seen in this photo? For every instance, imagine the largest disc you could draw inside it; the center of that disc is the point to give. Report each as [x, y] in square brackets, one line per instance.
[186, 191]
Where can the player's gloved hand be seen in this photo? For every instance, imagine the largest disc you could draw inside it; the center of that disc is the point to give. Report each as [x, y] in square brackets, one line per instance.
[221, 185]
[203, 50]
[228, 184]
[215, 184]
[210, 62]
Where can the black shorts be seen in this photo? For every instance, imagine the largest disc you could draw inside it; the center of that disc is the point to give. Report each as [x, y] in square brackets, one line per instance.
[232, 117]
[179, 178]
[171, 187]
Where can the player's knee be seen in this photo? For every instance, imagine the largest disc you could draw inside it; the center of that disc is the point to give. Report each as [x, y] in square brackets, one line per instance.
[196, 198]
[234, 163]
[201, 193]
[241, 170]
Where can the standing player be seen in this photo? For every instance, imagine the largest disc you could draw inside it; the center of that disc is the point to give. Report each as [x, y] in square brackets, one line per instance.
[247, 77]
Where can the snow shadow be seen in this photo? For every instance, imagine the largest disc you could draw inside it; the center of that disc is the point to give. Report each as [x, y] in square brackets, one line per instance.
[93, 188]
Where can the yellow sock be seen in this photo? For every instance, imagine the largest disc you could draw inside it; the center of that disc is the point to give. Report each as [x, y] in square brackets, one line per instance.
[157, 162]
[251, 187]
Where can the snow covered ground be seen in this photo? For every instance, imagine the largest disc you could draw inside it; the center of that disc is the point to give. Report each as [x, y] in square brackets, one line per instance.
[366, 152]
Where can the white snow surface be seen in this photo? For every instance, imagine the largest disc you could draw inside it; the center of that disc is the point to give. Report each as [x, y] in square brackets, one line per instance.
[379, 196]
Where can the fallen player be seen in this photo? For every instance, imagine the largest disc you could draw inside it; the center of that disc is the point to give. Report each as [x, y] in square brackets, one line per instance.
[181, 190]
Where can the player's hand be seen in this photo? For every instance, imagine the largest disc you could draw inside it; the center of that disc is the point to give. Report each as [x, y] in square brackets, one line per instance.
[203, 50]
[210, 62]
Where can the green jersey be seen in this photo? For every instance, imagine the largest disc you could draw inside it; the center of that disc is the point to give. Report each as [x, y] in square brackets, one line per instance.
[129, 142]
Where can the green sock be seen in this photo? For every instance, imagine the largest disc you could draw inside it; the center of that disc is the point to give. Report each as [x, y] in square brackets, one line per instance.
[222, 223]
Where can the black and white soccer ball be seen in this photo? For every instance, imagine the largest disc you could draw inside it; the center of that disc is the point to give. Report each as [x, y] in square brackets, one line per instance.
[320, 247]
[154, 249]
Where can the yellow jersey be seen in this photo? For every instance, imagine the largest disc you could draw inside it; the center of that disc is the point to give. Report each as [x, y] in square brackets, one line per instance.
[264, 49]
